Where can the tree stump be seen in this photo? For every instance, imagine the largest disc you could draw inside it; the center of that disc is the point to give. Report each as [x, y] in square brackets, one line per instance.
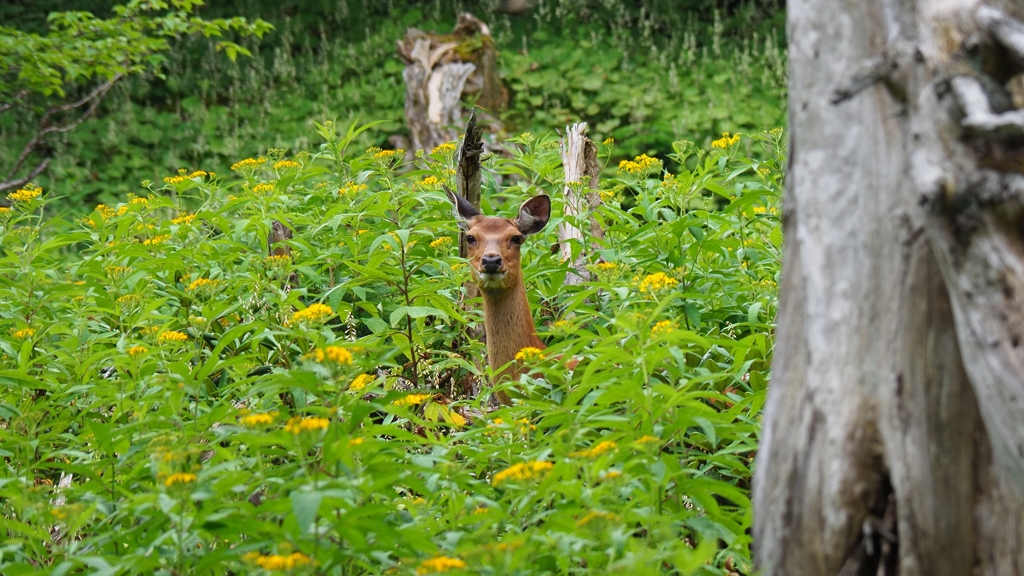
[440, 70]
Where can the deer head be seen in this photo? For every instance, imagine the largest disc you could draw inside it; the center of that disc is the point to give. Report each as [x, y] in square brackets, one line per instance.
[494, 242]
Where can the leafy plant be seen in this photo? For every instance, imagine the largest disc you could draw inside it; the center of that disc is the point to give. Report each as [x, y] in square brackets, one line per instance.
[181, 397]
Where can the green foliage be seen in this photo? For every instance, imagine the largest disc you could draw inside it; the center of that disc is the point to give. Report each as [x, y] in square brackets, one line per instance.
[205, 418]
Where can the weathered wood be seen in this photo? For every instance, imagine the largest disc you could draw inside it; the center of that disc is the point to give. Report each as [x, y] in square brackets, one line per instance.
[468, 171]
[440, 71]
[579, 160]
[896, 385]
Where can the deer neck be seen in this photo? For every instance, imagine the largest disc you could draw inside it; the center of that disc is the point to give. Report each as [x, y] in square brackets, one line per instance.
[508, 324]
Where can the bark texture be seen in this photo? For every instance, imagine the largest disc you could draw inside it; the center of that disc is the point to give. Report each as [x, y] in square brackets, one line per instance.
[893, 433]
[582, 177]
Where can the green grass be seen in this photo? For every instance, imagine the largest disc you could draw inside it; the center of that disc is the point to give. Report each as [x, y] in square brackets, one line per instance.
[212, 421]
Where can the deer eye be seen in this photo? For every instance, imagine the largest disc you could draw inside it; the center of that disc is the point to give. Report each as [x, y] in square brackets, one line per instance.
[470, 239]
[517, 239]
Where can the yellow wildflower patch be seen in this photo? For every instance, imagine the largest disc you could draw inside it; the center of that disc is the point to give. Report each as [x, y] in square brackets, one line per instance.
[351, 188]
[642, 164]
[662, 327]
[647, 439]
[173, 336]
[412, 400]
[608, 142]
[27, 194]
[285, 164]
[315, 313]
[446, 148]
[440, 564]
[530, 354]
[596, 515]
[277, 261]
[24, 333]
[355, 441]
[179, 478]
[523, 471]
[263, 188]
[428, 183]
[725, 141]
[257, 420]
[184, 219]
[276, 562]
[338, 355]
[441, 243]
[203, 283]
[657, 282]
[597, 449]
[248, 164]
[137, 350]
[155, 240]
[117, 272]
[360, 382]
[299, 425]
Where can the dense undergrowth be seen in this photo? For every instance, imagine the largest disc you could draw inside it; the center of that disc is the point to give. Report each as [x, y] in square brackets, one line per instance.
[170, 406]
[645, 73]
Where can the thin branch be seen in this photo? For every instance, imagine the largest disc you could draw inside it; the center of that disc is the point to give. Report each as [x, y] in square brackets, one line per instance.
[979, 119]
[8, 105]
[95, 97]
[11, 184]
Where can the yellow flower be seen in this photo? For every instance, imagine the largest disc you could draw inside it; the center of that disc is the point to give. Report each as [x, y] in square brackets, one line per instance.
[662, 327]
[351, 188]
[523, 471]
[278, 261]
[172, 336]
[248, 164]
[263, 188]
[179, 478]
[360, 382]
[202, 283]
[136, 350]
[385, 156]
[594, 515]
[725, 141]
[198, 174]
[648, 439]
[27, 194]
[657, 282]
[355, 442]
[314, 313]
[446, 148]
[642, 164]
[441, 243]
[117, 272]
[156, 240]
[338, 354]
[282, 164]
[254, 420]
[529, 354]
[24, 333]
[184, 219]
[440, 564]
[428, 183]
[608, 142]
[412, 400]
[597, 449]
[298, 425]
[275, 562]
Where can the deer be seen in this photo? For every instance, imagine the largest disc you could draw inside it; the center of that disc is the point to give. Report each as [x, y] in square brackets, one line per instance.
[493, 244]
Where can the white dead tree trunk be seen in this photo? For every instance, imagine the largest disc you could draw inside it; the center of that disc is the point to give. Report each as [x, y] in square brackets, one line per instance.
[582, 175]
[893, 439]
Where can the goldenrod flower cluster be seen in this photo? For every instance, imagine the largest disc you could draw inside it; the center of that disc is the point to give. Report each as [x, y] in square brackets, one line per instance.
[202, 283]
[523, 471]
[248, 164]
[355, 442]
[5, 210]
[562, 325]
[314, 313]
[662, 327]
[647, 439]
[24, 333]
[255, 420]
[597, 449]
[184, 219]
[642, 164]
[138, 201]
[608, 142]
[335, 354]
[428, 183]
[385, 155]
[156, 240]
[107, 212]
[596, 514]
[277, 261]
[173, 180]
[129, 299]
[441, 243]
[725, 141]
[656, 282]
[530, 354]
[284, 164]
[263, 188]
[277, 562]
[440, 564]
[308, 424]
[360, 382]
[179, 478]
[173, 336]
[117, 272]
[446, 148]
[412, 400]
[607, 267]
[351, 188]
[27, 194]
[136, 350]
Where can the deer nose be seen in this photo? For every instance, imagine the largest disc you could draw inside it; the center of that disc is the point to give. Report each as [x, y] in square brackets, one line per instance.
[491, 263]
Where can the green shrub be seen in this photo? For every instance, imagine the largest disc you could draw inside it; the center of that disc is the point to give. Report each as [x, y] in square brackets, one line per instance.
[177, 400]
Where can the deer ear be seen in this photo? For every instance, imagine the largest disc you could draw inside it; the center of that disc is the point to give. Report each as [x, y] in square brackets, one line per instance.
[464, 211]
[534, 214]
